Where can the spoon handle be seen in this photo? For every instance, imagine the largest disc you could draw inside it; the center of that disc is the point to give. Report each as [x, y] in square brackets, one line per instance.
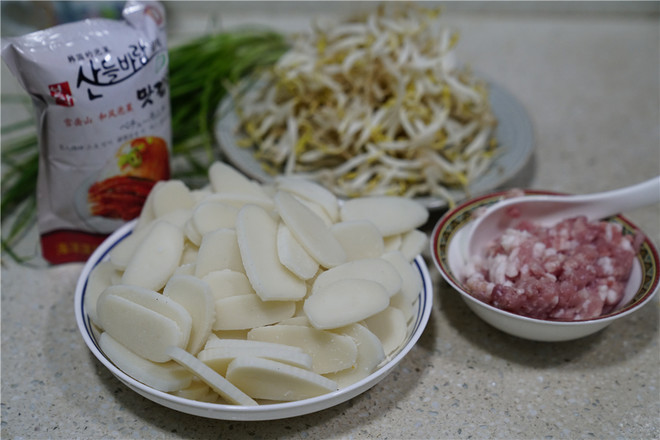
[625, 199]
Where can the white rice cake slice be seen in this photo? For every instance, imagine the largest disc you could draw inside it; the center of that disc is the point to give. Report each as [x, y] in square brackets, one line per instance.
[173, 215]
[311, 191]
[242, 312]
[345, 302]
[393, 242]
[372, 269]
[99, 279]
[124, 319]
[296, 320]
[401, 302]
[293, 256]
[211, 215]
[215, 341]
[200, 194]
[310, 231]
[219, 384]
[219, 358]
[147, 215]
[191, 233]
[189, 255]
[413, 243]
[238, 200]
[166, 377]
[411, 281]
[230, 186]
[391, 215]
[256, 232]
[330, 352]
[370, 354]
[195, 296]
[197, 390]
[178, 217]
[121, 253]
[359, 238]
[219, 250]
[266, 379]
[316, 209]
[156, 257]
[156, 302]
[390, 326]
[185, 269]
[171, 195]
[226, 282]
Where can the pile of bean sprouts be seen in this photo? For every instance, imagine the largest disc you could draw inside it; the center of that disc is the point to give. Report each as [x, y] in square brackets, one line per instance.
[376, 105]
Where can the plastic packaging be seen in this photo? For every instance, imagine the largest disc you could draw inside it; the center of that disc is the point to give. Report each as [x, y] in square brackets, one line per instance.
[100, 93]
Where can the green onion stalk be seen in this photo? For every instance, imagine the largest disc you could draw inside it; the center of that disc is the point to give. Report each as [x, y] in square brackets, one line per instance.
[200, 73]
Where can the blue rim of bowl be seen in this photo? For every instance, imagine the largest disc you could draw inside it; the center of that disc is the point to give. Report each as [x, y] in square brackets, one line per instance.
[455, 219]
[262, 412]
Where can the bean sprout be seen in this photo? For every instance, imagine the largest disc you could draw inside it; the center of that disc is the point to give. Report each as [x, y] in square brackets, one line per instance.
[374, 105]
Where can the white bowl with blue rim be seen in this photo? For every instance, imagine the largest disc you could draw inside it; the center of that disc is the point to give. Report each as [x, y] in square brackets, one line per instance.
[273, 411]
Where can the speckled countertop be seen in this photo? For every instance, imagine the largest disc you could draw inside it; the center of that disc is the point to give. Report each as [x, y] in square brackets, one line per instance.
[590, 82]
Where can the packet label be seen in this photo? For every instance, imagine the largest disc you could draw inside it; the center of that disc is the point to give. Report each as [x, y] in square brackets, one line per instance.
[100, 93]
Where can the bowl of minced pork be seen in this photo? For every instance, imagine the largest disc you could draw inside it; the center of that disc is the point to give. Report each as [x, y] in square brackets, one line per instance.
[548, 283]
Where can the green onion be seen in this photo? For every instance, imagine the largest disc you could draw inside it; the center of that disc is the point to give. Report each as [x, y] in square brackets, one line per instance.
[199, 73]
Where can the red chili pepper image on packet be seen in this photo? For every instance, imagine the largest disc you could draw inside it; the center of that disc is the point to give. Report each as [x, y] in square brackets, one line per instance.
[100, 93]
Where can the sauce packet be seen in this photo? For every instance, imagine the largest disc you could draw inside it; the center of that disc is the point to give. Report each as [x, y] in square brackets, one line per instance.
[100, 94]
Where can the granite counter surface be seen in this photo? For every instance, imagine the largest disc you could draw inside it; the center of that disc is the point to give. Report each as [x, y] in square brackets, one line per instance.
[590, 83]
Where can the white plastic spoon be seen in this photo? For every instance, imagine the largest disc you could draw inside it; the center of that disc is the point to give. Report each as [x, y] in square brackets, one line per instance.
[548, 210]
